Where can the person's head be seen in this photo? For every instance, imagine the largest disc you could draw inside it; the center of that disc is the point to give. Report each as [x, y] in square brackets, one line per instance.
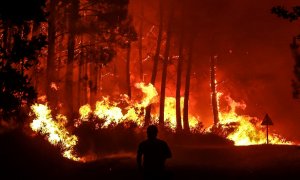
[152, 132]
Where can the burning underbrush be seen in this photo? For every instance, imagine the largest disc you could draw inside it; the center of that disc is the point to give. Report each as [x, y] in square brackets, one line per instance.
[125, 137]
[117, 125]
[91, 140]
[94, 143]
[243, 129]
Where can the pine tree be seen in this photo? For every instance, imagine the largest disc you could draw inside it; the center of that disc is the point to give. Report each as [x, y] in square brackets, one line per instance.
[19, 51]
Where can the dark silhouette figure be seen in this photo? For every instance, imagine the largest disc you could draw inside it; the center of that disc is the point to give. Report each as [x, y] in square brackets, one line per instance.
[154, 152]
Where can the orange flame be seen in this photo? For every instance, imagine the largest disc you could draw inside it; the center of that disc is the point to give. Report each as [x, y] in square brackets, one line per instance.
[244, 129]
[170, 114]
[84, 112]
[112, 113]
[55, 131]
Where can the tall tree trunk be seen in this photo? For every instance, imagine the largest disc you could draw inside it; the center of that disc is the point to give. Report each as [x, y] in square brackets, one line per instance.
[85, 77]
[85, 80]
[80, 77]
[51, 54]
[35, 30]
[96, 79]
[186, 126]
[73, 16]
[156, 59]
[214, 100]
[128, 70]
[178, 85]
[141, 41]
[164, 70]
[91, 79]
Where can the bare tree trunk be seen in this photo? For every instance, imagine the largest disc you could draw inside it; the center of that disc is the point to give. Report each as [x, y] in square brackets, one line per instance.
[141, 41]
[178, 85]
[85, 80]
[156, 59]
[71, 44]
[96, 79]
[91, 79]
[51, 54]
[35, 30]
[164, 71]
[128, 70]
[213, 90]
[186, 126]
[80, 77]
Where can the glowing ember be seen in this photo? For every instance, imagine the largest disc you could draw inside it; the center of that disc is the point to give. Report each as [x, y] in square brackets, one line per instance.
[54, 86]
[42, 98]
[243, 129]
[55, 131]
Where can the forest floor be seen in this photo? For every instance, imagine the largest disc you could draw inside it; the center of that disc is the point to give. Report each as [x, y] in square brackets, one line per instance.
[24, 157]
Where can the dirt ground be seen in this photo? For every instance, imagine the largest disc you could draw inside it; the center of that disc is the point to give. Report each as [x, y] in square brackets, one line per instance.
[31, 159]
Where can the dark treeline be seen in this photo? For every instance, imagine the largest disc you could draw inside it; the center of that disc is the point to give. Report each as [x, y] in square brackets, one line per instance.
[292, 15]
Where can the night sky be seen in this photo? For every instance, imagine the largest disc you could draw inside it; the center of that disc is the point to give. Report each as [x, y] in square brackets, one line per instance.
[255, 63]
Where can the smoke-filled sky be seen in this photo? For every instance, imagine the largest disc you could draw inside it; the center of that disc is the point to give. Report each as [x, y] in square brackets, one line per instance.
[255, 64]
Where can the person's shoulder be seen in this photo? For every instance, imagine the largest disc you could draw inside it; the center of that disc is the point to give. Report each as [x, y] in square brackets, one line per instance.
[161, 141]
[143, 142]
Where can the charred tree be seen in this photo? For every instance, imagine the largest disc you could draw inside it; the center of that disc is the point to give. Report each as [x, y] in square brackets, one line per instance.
[141, 41]
[95, 76]
[165, 70]
[91, 71]
[51, 53]
[186, 126]
[213, 86]
[128, 70]
[80, 72]
[179, 73]
[178, 85]
[155, 59]
[129, 35]
[72, 20]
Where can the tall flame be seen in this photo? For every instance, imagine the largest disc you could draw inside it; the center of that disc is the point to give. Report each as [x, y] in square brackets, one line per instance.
[244, 129]
[55, 131]
[114, 112]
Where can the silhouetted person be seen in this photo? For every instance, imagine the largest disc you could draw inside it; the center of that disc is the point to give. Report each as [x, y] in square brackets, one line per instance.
[154, 152]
